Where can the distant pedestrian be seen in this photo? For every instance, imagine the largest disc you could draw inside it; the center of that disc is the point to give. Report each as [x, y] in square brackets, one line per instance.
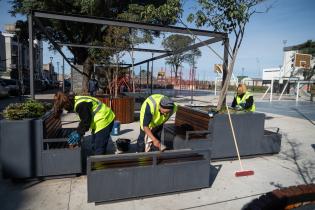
[92, 86]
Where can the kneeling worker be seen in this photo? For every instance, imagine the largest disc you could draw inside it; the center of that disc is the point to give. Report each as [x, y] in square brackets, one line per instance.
[243, 100]
[93, 114]
[155, 111]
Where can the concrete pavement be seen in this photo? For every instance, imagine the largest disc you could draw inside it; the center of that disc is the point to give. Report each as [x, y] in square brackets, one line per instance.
[295, 164]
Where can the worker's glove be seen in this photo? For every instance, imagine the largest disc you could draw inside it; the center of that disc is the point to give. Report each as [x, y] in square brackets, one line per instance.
[238, 107]
[242, 105]
[74, 138]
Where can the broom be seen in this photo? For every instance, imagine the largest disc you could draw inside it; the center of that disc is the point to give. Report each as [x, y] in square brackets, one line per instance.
[242, 172]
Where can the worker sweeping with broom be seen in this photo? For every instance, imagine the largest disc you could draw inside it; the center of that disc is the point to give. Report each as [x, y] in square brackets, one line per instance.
[93, 115]
[155, 111]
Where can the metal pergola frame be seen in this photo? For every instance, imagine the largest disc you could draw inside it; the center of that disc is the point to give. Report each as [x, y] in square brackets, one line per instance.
[36, 15]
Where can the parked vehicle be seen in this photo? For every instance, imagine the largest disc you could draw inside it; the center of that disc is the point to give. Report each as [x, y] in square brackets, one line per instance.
[12, 86]
[3, 91]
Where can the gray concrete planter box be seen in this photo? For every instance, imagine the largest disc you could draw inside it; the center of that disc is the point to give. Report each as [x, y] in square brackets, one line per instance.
[27, 151]
[143, 174]
[250, 133]
[20, 148]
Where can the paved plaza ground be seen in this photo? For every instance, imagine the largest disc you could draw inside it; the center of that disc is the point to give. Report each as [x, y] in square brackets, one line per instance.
[294, 165]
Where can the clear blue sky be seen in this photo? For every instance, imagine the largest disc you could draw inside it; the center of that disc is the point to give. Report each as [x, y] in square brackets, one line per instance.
[289, 20]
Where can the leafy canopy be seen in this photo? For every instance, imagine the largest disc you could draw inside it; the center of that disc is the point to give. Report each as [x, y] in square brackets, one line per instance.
[176, 42]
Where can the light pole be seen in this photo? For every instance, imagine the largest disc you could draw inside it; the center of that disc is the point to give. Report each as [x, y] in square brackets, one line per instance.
[242, 71]
[58, 71]
[51, 67]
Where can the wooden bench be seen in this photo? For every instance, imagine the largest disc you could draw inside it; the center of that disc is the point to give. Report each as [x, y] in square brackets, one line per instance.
[54, 136]
[194, 129]
[57, 157]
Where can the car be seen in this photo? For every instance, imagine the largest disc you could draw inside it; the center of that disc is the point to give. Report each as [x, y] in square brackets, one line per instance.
[3, 91]
[12, 86]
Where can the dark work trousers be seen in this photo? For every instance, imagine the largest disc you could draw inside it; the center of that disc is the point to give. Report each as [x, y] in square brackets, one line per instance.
[157, 131]
[100, 139]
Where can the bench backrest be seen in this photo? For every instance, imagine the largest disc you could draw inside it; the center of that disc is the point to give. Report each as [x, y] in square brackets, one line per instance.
[51, 126]
[188, 119]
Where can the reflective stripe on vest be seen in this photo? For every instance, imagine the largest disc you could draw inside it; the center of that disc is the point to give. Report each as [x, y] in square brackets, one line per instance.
[99, 103]
[243, 100]
[102, 115]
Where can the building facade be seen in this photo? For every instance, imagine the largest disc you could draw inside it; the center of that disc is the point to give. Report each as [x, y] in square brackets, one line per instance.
[14, 56]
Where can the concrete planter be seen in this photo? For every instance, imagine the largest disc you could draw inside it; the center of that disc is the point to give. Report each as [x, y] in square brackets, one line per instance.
[20, 147]
[216, 134]
[142, 174]
[27, 151]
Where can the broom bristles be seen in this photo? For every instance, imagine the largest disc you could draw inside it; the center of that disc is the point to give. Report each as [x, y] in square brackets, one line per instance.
[244, 173]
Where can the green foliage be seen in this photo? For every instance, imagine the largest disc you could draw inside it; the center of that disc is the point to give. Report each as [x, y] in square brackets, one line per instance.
[307, 47]
[28, 109]
[159, 12]
[176, 42]
[223, 15]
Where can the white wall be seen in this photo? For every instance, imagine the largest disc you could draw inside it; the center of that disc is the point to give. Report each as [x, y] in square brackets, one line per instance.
[271, 73]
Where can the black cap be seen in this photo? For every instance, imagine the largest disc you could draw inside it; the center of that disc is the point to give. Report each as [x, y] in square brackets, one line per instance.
[167, 103]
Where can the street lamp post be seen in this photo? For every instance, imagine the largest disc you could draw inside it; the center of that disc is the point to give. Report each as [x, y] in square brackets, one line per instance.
[50, 67]
[58, 70]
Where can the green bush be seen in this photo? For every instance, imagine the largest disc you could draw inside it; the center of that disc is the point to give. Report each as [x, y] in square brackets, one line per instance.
[28, 109]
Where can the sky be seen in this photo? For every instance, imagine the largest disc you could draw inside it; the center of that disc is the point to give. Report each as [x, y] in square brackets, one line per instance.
[290, 20]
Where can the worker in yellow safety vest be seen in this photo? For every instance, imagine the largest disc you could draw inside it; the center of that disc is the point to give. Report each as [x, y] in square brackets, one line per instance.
[93, 114]
[243, 100]
[155, 111]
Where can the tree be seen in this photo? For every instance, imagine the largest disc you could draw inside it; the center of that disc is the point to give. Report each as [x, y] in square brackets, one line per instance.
[176, 42]
[84, 33]
[229, 16]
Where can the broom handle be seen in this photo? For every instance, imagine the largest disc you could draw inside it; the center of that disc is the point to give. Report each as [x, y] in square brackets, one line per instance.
[235, 142]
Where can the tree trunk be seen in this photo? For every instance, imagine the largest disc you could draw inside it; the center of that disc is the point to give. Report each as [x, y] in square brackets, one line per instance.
[226, 83]
[81, 57]
[87, 68]
[176, 72]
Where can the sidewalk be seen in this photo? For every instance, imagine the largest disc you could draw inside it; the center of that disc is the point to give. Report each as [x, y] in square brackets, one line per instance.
[295, 164]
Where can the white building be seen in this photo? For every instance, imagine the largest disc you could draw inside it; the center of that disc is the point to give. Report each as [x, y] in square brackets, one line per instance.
[14, 54]
[288, 68]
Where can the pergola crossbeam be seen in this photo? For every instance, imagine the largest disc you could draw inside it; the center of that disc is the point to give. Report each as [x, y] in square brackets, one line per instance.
[129, 24]
[105, 47]
[191, 47]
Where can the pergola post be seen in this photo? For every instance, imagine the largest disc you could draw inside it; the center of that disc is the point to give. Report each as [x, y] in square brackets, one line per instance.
[148, 66]
[31, 56]
[152, 75]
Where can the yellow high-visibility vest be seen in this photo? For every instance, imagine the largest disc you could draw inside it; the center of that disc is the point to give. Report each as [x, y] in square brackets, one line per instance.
[102, 115]
[157, 118]
[243, 100]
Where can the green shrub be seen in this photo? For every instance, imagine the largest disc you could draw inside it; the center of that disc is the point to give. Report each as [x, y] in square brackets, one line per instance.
[28, 109]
